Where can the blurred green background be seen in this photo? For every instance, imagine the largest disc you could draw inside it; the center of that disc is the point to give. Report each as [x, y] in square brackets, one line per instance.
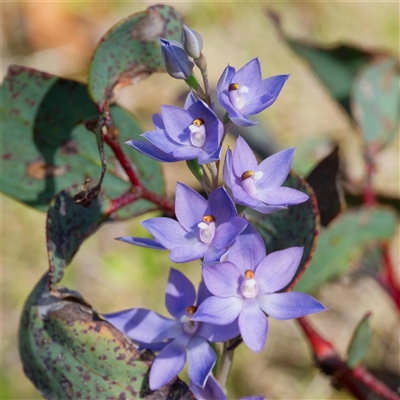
[59, 38]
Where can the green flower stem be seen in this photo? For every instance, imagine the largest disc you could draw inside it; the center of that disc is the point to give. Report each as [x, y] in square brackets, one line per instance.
[201, 63]
[212, 167]
[225, 363]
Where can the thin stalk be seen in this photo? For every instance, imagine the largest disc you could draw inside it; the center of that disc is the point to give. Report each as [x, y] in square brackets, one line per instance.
[212, 167]
[201, 63]
[225, 365]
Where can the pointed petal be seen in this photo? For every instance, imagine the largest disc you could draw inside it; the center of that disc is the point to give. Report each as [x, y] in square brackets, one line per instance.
[275, 169]
[222, 279]
[190, 99]
[158, 121]
[177, 121]
[228, 231]
[201, 359]
[180, 293]
[249, 75]
[161, 140]
[190, 207]
[169, 362]
[289, 305]
[194, 250]
[265, 94]
[281, 196]
[221, 205]
[243, 158]
[211, 391]
[144, 325]
[247, 250]
[168, 232]
[277, 269]
[218, 333]
[149, 150]
[225, 79]
[218, 310]
[143, 242]
[253, 325]
[264, 209]
[228, 171]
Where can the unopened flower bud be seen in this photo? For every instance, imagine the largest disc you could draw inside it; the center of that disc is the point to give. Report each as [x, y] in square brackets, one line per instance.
[192, 42]
[175, 59]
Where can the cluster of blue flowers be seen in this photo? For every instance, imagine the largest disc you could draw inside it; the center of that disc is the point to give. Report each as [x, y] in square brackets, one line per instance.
[241, 284]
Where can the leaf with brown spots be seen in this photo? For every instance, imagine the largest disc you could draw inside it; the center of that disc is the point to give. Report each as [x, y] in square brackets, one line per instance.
[69, 352]
[46, 146]
[68, 225]
[296, 226]
[130, 50]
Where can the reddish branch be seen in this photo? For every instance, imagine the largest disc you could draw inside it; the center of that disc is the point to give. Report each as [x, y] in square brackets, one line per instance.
[357, 380]
[387, 277]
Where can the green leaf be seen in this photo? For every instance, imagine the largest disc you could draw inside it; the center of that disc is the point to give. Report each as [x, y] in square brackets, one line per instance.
[375, 101]
[130, 50]
[359, 343]
[325, 181]
[335, 66]
[296, 226]
[344, 242]
[46, 146]
[68, 225]
[69, 352]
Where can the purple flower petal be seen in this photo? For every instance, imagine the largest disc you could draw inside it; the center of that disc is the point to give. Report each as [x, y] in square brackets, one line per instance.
[158, 121]
[222, 279]
[213, 254]
[214, 155]
[211, 391]
[247, 250]
[177, 120]
[201, 360]
[249, 74]
[218, 310]
[228, 231]
[190, 207]
[289, 305]
[187, 152]
[180, 293]
[218, 333]
[149, 150]
[143, 242]
[169, 362]
[253, 325]
[144, 325]
[221, 205]
[264, 94]
[160, 140]
[169, 232]
[225, 78]
[202, 293]
[277, 269]
[190, 252]
[276, 168]
[281, 196]
[244, 159]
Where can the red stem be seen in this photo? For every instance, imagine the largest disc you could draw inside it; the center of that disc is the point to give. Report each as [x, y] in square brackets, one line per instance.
[162, 202]
[356, 380]
[125, 199]
[387, 277]
[373, 384]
